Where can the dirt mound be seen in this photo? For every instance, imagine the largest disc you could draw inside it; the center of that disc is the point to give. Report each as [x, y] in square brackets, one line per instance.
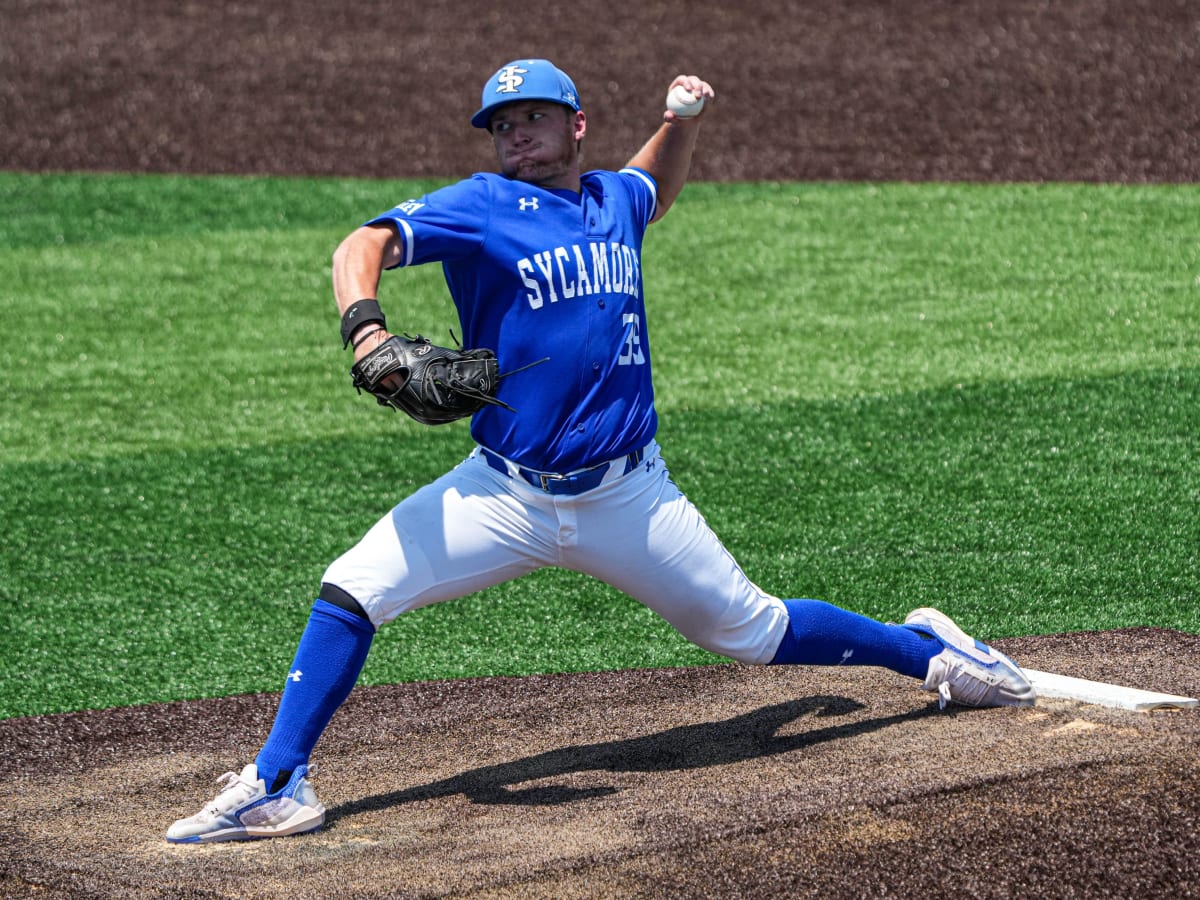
[724, 781]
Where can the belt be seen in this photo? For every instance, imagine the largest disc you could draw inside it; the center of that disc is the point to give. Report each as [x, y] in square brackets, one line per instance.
[572, 482]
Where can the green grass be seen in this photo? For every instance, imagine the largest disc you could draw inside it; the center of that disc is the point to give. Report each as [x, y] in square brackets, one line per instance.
[982, 397]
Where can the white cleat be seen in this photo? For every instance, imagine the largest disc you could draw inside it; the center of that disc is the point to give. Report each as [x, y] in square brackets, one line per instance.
[968, 671]
[243, 810]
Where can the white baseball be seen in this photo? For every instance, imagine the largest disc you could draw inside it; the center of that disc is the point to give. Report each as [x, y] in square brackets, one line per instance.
[683, 102]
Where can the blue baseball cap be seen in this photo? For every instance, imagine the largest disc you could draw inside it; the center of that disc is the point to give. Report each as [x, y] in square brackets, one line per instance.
[525, 79]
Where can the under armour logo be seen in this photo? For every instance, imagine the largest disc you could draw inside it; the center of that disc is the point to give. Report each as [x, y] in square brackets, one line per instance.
[510, 79]
[527, 203]
[295, 676]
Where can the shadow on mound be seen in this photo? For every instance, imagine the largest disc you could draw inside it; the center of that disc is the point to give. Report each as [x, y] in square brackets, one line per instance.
[752, 736]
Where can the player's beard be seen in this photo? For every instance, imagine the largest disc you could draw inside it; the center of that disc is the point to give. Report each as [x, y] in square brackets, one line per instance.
[553, 172]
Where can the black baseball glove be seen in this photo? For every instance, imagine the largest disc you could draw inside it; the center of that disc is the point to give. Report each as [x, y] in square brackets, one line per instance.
[433, 384]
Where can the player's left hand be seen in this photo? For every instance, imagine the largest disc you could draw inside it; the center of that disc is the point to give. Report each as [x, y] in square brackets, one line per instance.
[433, 384]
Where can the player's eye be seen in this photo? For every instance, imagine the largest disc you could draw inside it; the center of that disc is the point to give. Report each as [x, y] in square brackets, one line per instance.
[501, 126]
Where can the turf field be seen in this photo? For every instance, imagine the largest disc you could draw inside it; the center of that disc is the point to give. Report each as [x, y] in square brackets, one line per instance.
[985, 398]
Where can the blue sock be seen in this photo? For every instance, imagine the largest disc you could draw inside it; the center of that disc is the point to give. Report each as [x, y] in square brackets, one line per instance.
[331, 654]
[821, 634]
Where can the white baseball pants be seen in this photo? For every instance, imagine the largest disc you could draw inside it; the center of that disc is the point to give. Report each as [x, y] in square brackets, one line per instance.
[476, 527]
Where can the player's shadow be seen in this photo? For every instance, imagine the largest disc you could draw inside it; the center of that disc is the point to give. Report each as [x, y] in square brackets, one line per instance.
[750, 736]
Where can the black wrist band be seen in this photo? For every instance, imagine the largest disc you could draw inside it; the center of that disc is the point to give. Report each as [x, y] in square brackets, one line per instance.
[358, 314]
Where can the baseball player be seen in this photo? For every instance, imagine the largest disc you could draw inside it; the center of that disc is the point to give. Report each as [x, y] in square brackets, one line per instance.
[544, 264]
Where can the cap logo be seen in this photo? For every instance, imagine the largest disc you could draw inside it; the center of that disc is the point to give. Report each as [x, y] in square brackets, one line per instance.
[510, 79]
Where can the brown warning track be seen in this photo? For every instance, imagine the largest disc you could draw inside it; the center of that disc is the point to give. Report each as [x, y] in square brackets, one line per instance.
[1019, 90]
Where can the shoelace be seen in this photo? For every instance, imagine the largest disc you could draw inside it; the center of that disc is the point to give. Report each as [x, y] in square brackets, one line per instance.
[944, 695]
[233, 780]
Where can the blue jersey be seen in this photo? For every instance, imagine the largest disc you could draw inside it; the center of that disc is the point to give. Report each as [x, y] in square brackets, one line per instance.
[540, 273]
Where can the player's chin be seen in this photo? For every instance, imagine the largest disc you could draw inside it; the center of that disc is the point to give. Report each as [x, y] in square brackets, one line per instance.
[527, 171]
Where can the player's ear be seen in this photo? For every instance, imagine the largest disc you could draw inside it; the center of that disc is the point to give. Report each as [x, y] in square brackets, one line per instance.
[580, 125]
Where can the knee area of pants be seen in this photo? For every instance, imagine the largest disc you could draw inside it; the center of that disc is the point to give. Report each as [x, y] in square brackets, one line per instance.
[334, 595]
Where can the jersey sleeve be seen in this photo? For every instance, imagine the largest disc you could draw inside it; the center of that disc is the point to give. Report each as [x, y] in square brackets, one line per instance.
[449, 223]
[643, 190]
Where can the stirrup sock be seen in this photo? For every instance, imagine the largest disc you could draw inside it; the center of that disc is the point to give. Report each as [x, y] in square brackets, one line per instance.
[328, 661]
[821, 634]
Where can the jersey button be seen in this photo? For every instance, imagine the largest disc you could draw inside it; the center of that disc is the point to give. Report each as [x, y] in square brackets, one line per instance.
[600, 304]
